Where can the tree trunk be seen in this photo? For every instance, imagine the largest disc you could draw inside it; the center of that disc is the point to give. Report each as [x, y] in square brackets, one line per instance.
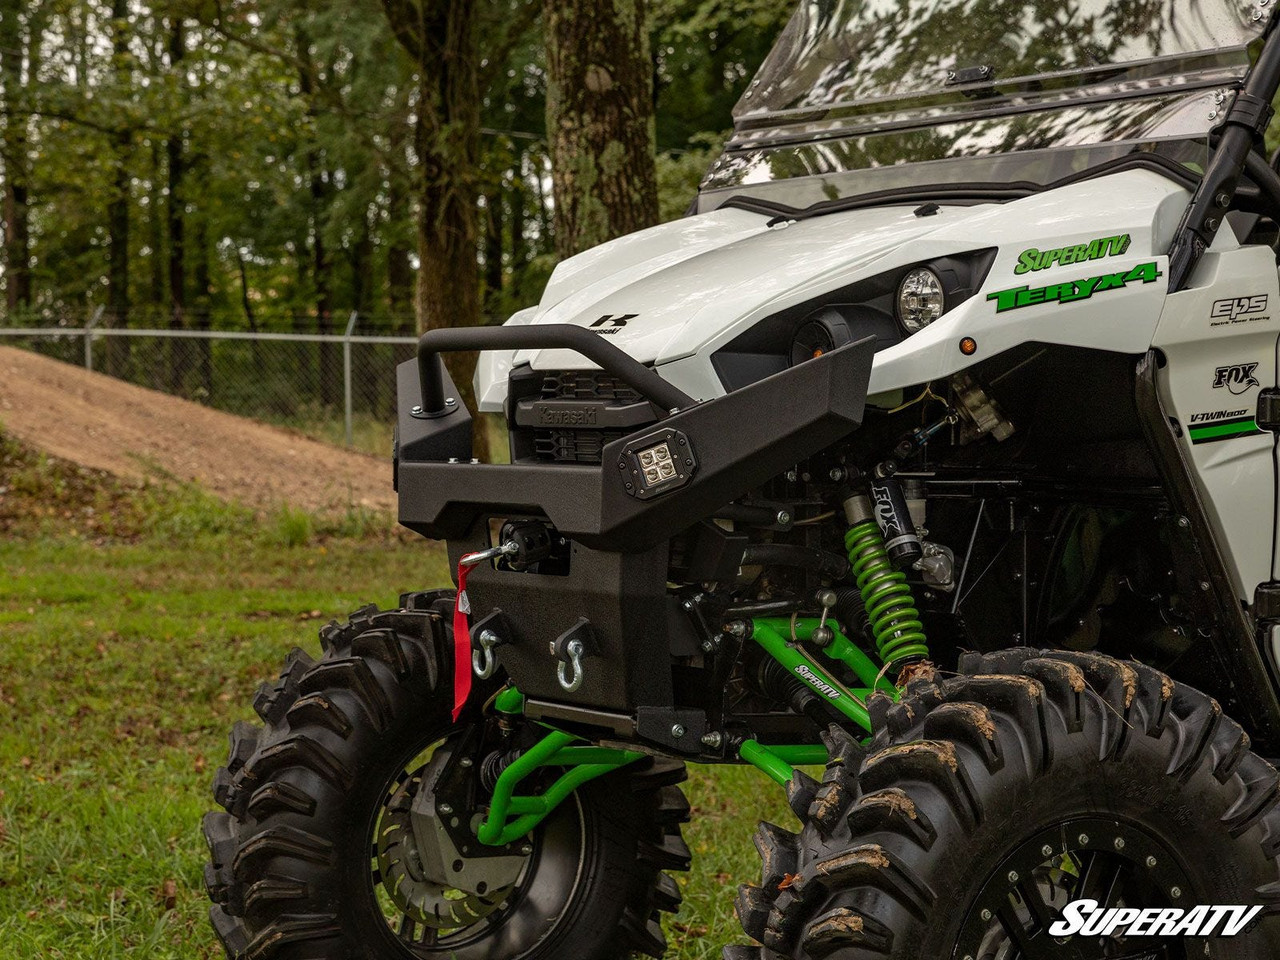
[399, 245]
[329, 372]
[14, 42]
[440, 35]
[519, 190]
[203, 303]
[118, 207]
[175, 149]
[158, 291]
[493, 252]
[600, 124]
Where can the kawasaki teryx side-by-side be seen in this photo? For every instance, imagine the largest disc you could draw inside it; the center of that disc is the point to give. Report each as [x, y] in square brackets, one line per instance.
[936, 449]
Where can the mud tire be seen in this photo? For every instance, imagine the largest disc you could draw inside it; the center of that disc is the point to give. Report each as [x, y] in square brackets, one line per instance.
[899, 839]
[289, 871]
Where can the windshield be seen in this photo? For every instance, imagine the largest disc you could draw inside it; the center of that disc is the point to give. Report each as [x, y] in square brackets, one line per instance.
[856, 86]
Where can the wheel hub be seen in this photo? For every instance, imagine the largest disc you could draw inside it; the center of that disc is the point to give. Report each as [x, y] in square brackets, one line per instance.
[422, 870]
[1104, 860]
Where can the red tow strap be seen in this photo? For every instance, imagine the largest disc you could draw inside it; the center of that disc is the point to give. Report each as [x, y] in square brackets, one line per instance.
[461, 641]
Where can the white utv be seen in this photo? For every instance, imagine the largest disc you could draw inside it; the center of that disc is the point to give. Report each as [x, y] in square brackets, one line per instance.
[936, 449]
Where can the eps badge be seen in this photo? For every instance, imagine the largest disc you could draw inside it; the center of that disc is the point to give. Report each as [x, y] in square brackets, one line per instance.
[1237, 377]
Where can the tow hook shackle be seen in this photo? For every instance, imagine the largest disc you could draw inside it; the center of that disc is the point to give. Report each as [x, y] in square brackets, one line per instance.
[570, 649]
[570, 674]
[483, 662]
[486, 636]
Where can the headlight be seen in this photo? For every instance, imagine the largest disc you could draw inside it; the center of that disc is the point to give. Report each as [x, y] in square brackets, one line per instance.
[921, 299]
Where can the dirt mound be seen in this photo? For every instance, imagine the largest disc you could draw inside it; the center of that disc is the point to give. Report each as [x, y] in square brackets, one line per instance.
[106, 424]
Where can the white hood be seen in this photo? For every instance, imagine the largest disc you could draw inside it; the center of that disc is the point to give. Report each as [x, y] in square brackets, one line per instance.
[674, 294]
[684, 280]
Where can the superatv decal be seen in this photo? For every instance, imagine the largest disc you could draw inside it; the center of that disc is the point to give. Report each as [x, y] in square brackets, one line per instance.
[818, 683]
[1232, 429]
[1034, 259]
[1238, 378]
[1088, 919]
[1074, 290]
[1238, 310]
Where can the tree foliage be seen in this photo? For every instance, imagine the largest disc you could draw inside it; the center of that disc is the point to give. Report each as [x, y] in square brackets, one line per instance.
[277, 164]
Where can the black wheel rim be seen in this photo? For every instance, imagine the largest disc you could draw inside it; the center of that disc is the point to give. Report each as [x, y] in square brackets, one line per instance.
[1115, 863]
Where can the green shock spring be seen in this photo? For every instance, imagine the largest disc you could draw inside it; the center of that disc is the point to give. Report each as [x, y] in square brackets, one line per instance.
[895, 621]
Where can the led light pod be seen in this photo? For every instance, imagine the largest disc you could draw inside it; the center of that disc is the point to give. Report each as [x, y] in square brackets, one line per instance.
[657, 463]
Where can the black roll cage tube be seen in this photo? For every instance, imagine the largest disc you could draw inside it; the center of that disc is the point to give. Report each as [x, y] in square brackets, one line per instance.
[1238, 137]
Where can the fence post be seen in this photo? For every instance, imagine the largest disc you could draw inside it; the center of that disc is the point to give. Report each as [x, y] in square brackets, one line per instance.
[88, 336]
[346, 370]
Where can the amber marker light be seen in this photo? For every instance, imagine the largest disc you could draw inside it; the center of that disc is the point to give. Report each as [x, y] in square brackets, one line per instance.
[968, 346]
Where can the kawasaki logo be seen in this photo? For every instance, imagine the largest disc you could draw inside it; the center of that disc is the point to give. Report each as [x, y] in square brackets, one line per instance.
[1084, 918]
[567, 416]
[609, 325]
[1075, 290]
[815, 681]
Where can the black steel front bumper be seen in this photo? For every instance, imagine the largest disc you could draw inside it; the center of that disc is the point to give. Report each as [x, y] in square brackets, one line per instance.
[619, 531]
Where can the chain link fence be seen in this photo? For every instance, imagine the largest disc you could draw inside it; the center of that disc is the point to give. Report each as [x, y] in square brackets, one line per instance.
[337, 387]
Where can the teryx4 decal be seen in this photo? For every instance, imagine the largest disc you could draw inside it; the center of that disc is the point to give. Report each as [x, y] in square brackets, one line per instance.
[1034, 259]
[1075, 290]
[1238, 378]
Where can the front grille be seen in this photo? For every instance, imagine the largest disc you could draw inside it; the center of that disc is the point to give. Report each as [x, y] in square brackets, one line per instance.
[587, 385]
[570, 445]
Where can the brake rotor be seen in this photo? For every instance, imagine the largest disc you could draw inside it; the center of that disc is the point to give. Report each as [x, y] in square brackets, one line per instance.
[422, 871]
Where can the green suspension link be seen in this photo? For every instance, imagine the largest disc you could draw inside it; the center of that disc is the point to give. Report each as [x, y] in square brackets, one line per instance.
[895, 621]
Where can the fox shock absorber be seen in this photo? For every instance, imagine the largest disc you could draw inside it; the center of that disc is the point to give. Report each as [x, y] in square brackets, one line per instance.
[901, 541]
[895, 621]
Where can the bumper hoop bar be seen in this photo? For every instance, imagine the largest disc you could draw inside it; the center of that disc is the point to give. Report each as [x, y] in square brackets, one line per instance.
[550, 336]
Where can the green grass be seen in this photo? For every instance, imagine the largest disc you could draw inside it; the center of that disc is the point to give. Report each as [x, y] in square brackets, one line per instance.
[122, 667]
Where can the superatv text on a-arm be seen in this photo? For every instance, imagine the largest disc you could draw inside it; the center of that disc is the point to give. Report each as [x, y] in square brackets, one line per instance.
[934, 452]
